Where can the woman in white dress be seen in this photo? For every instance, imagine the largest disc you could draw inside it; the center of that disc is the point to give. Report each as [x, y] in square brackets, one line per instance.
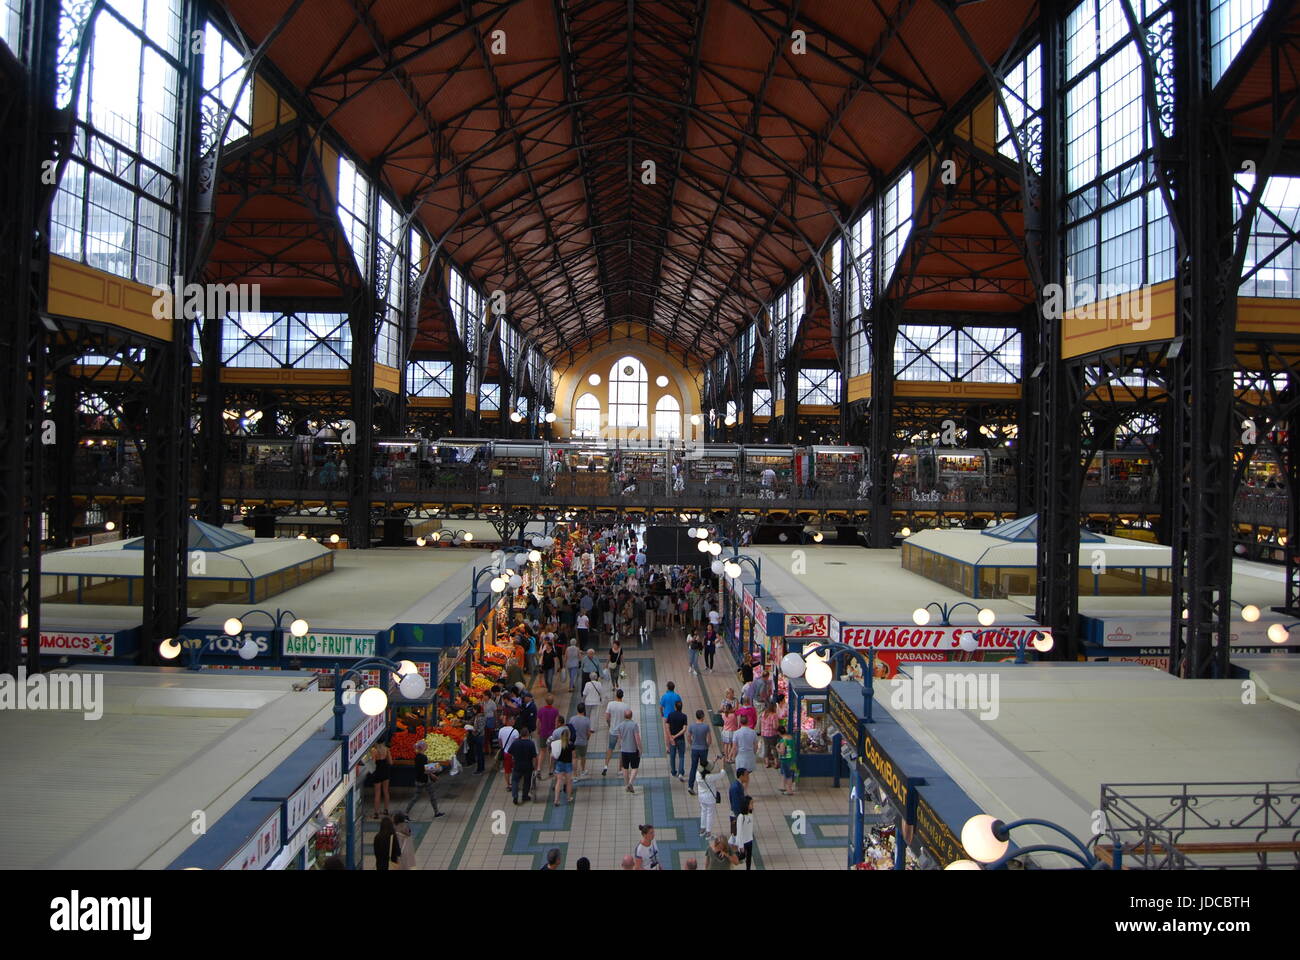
[709, 793]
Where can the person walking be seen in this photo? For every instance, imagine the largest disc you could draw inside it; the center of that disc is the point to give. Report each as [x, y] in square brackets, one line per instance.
[737, 793]
[675, 737]
[729, 725]
[572, 658]
[584, 625]
[713, 777]
[388, 847]
[699, 737]
[769, 728]
[693, 648]
[745, 831]
[647, 851]
[524, 753]
[615, 662]
[552, 859]
[580, 723]
[629, 747]
[402, 827]
[746, 741]
[614, 711]
[547, 719]
[424, 781]
[710, 649]
[506, 737]
[549, 661]
[788, 753]
[561, 748]
[590, 670]
[478, 740]
[670, 701]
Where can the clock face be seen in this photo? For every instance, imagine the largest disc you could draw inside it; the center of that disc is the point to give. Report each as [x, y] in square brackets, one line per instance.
[629, 370]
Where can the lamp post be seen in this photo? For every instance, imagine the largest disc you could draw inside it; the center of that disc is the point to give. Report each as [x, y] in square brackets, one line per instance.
[498, 583]
[921, 615]
[170, 649]
[987, 841]
[456, 537]
[732, 568]
[818, 673]
[374, 700]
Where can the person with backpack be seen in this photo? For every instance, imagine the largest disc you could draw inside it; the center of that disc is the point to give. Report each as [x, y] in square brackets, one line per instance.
[561, 747]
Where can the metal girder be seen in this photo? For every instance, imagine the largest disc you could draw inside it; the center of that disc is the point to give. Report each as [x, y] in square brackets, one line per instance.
[28, 139]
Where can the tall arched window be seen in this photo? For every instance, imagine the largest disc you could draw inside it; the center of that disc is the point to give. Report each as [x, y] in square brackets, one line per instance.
[586, 416]
[628, 390]
[668, 418]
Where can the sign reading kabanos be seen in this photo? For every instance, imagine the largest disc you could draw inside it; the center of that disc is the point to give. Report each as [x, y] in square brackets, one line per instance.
[329, 645]
[911, 637]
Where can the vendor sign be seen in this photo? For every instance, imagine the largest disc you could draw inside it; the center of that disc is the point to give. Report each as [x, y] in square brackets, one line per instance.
[337, 645]
[1154, 632]
[911, 637]
[77, 644]
[260, 849]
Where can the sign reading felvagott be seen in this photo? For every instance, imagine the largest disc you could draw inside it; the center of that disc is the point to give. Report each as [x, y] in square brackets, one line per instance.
[330, 645]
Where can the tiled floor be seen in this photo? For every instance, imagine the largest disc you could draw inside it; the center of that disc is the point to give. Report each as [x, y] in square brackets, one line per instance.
[483, 830]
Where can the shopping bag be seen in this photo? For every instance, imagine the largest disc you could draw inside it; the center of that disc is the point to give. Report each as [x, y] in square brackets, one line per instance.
[455, 766]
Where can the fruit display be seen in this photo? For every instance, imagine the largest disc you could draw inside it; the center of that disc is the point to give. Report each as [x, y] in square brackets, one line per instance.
[439, 748]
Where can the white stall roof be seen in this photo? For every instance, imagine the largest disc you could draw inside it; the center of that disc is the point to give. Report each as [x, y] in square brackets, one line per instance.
[976, 547]
[117, 559]
[119, 792]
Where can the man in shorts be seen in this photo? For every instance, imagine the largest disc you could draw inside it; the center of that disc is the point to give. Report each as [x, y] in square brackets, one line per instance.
[629, 747]
[581, 726]
[614, 711]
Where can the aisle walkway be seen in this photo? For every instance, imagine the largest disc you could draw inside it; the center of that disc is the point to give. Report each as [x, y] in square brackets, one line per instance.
[483, 830]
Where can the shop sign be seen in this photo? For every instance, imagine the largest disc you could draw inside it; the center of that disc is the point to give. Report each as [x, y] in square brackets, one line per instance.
[78, 644]
[1155, 633]
[805, 626]
[834, 631]
[845, 720]
[260, 850]
[749, 603]
[219, 642]
[911, 637]
[308, 798]
[884, 771]
[341, 645]
[363, 736]
[935, 835]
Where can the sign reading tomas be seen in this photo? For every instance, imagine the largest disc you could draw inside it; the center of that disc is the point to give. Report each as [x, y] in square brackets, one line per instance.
[342, 645]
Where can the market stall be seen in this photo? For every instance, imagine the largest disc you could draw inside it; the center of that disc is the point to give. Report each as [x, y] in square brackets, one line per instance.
[836, 471]
[516, 467]
[769, 471]
[712, 470]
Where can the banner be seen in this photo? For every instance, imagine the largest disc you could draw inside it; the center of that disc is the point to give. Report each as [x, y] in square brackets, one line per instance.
[342, 645]
[75, 644]
[1154, 632]
[808, 626]
[911, 637]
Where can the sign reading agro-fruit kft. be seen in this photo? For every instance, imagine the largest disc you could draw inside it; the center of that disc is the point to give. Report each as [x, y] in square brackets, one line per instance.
[343, 645]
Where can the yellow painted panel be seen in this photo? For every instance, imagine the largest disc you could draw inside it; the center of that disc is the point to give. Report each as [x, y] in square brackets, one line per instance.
[280, 375]
[983, 125]
[1135, 317]
[103, 373]
[471, 401]
[817, 409]
[1268, 315]
[860, 387]
[388, 378]
[270, 110]
[433, 402]
[84, 293]
[956, 390]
